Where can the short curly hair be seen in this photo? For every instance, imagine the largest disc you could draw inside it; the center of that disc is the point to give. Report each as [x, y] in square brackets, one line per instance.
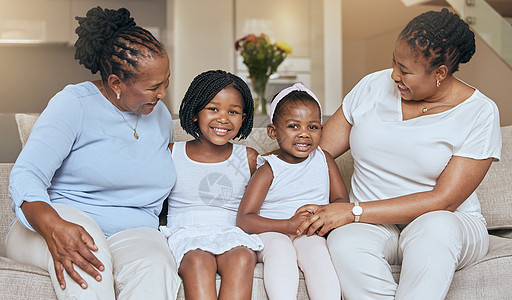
[203, 89]
[442, 37]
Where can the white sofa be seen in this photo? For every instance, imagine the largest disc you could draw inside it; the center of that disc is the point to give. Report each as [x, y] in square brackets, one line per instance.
[489, 278]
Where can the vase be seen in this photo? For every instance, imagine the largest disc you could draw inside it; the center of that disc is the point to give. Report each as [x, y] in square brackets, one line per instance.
[259, 86]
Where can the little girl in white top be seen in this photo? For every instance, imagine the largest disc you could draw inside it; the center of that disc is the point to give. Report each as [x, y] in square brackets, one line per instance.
[212, 175]
[301, 174]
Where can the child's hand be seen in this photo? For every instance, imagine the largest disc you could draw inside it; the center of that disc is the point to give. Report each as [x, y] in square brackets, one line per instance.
[298, 219]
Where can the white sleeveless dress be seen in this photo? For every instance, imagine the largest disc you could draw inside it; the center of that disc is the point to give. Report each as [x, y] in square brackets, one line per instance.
[295, 185]
[204, 202]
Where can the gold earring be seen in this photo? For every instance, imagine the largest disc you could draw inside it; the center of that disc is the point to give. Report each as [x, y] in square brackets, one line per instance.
[118, 96]
[438, 84]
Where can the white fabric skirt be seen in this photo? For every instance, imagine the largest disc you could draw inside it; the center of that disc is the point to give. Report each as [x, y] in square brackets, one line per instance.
[212, 231]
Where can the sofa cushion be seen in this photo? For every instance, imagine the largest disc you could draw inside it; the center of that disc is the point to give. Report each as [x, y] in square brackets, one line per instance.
[22, 281]
[495, 191]
[25, 123]
[6, 213]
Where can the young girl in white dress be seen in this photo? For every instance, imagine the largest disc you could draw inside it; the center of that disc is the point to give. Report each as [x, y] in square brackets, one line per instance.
[212, 175]
[301, 174]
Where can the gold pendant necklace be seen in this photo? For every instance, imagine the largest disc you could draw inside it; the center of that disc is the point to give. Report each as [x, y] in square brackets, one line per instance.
[135, 134]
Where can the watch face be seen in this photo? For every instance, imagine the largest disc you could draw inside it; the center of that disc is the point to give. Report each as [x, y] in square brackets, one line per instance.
[357, 210]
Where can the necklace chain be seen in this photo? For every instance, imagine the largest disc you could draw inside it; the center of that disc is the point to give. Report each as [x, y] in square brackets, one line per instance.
[135, 134]
[425, 109]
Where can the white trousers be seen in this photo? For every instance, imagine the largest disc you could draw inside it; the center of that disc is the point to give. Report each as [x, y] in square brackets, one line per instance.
[280, 256]
[138, 262]
[430, 250]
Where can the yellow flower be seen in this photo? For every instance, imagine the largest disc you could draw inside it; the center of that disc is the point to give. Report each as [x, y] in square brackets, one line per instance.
[284, 46]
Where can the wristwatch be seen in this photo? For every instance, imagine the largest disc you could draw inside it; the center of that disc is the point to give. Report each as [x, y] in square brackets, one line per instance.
[357, 211]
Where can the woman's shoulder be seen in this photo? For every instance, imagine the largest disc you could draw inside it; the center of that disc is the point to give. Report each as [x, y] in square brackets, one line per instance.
[379, 82]
[382, 76]
[68, 103]
[484, 101]
[479, 106]
[73, 94]
[82, 89]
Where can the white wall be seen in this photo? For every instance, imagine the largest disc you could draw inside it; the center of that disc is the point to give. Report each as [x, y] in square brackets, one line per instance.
[203, 40]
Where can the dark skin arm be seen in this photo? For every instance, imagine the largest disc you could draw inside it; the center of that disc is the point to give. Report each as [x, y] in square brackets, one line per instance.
[252, 156]
[67, 242]
[248, 218]
[337, 189]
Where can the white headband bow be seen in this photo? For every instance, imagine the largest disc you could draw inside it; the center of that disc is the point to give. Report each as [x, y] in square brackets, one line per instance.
[296, 87]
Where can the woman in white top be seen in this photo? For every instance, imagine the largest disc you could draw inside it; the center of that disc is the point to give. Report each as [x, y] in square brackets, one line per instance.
[422, 141]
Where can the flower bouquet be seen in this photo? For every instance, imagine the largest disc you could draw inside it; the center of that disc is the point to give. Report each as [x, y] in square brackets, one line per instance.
[262, 59]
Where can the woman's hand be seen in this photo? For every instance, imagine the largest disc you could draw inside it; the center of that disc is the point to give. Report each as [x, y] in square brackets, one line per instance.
[324, 218]
[68, 243]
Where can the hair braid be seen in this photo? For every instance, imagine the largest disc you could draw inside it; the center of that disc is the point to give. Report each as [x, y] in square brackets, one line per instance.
[442, 37]
[109, 41]
[203, 89]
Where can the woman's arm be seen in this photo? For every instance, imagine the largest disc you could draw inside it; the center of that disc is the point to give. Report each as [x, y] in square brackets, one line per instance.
[248, 212]
[337, 189]
[336, 133]
[50, 142]
[456, 183]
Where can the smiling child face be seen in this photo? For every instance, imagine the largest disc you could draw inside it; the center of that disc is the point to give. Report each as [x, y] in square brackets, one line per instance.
[298, 130]
[221, 119]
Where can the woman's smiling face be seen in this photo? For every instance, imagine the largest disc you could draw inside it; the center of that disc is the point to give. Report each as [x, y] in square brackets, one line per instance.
[412, 74]
[141, 94]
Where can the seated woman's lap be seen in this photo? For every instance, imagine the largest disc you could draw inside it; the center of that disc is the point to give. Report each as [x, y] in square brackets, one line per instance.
[144, 267]
[362, 254]
[439, 242]
[29, 247]
[131, 258]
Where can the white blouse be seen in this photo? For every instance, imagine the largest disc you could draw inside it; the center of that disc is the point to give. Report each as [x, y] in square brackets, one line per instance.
[395, 157]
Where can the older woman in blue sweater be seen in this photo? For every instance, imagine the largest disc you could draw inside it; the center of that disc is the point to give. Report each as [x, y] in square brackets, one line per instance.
[89, 184]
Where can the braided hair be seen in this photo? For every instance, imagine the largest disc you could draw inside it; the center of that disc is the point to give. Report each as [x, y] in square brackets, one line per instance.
[442, 37]
[295, 97]
[203, 89]
[110, 42]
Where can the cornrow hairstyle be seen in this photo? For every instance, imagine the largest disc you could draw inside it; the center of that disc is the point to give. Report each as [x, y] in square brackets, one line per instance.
[295, 97]
[109, 41]
[442, 37]
[203, 89]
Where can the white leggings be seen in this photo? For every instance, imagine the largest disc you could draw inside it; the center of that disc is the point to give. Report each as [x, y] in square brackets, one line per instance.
[280, 256]
[430, 249]
[138, 262]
